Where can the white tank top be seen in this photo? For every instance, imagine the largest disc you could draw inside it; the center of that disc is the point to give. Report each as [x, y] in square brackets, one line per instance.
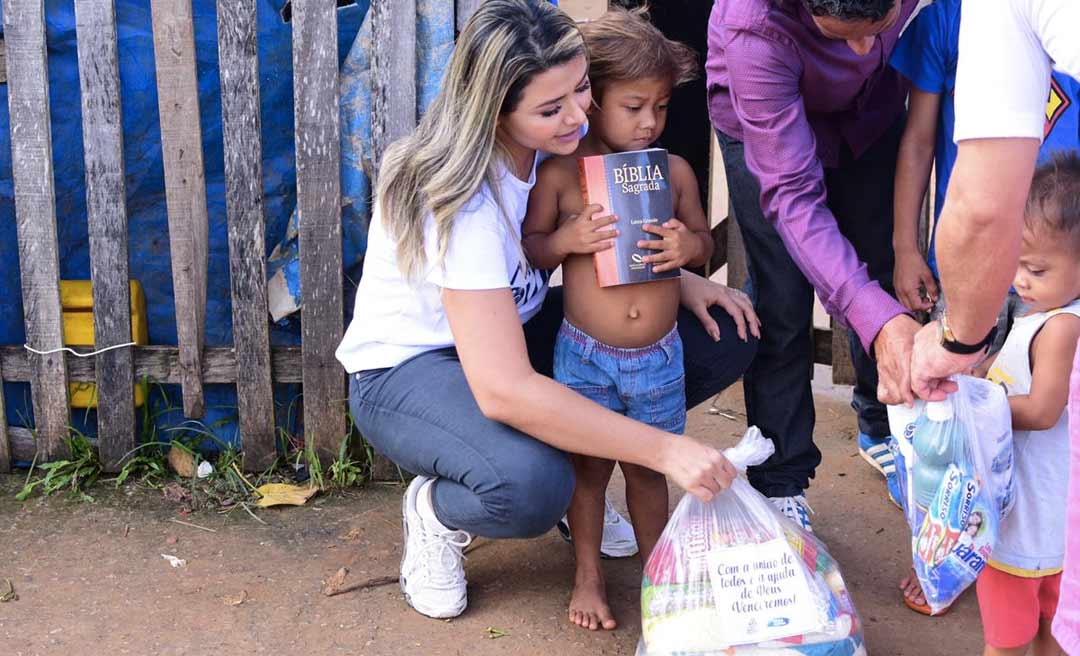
[1032, 539]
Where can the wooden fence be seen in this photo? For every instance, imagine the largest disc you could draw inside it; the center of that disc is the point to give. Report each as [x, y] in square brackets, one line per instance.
[251, 363]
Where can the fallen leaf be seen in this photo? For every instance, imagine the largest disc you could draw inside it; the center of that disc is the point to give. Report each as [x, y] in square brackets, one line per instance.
[182, 462]
[282, 494]
[237, 599]
[336, 581]
[176, 492]
[351, 536]
[8, 594]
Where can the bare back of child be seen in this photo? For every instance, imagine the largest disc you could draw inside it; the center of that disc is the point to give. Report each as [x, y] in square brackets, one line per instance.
[633, 68]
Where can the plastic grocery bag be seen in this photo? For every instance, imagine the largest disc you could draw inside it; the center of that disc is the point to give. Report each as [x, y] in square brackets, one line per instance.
[735, 577]
[954, 466]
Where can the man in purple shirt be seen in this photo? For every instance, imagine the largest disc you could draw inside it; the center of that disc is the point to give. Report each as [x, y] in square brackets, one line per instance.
[809, 116]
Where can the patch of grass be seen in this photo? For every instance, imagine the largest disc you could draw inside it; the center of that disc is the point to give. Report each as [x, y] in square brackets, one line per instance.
[226, 487]
[345, 471]
[73, 475]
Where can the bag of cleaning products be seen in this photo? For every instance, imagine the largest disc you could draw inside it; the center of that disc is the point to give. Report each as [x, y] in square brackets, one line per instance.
[734, 577]
[954, 465]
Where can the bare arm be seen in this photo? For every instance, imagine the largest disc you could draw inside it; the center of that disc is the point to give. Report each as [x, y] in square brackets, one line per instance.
[978, 239]
[978, 245]
[490, 342]
[1052, 354]
[545, 242]
[913, 165]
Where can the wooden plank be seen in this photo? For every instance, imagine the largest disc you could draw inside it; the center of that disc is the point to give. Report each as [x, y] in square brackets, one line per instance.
[103, 145]
[241, 125]
[35, 217]
[318, 200]
[160, 364]
[185, 185]
[720, 246]
[5, 444]
[465, 9]
[843, 369]
[23, 445]
[822, 346]
[393, 74]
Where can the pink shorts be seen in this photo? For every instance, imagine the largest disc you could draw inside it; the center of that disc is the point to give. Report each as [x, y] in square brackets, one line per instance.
[1013, 606]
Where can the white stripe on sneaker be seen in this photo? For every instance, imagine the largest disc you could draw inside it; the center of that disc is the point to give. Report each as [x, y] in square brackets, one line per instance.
[874, 450]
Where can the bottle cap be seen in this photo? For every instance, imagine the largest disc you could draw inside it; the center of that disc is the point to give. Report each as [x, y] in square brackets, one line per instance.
[939, 410]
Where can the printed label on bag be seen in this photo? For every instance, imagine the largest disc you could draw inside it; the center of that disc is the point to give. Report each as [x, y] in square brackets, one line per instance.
[762, 592]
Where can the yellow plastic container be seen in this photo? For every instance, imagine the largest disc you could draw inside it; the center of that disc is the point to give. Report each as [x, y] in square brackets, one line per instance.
[77, 304]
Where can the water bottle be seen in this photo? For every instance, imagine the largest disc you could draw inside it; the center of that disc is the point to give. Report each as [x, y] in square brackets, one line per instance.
[902, 420]
[935, 449]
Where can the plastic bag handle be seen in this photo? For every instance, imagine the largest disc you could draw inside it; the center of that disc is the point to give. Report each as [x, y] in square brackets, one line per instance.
[753, 449]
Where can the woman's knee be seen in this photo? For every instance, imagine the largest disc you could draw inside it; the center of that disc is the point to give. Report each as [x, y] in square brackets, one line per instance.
[533, 495]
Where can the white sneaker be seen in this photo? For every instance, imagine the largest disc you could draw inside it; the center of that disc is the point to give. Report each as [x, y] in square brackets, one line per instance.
[432, 575]
[618, 541]
[796, 509]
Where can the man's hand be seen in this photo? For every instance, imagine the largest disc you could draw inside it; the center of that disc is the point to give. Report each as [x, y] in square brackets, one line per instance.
[892, 349]
[931, 365]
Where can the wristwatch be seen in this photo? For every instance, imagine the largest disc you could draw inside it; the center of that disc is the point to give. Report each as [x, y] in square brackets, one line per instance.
[952, 345]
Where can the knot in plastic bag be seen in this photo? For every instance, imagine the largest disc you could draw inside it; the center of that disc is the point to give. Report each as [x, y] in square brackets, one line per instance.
[752, 450]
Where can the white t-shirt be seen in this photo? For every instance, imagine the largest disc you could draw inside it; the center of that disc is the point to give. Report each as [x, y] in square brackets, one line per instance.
[395, 319]
[1007, 50]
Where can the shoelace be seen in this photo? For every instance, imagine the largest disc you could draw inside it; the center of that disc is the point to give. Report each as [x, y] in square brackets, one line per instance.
[448, 548]
[790, 506]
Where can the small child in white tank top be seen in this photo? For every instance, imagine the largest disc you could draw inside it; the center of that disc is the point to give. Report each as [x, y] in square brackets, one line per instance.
[1018, 592]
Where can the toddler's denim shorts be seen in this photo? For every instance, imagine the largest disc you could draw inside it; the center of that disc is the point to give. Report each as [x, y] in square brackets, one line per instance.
[646, 383]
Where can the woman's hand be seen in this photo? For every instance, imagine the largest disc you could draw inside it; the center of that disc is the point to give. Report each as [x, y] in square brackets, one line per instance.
[678, 245]
[700, 470]
[698, 294]
[912, 278]
[582, 234]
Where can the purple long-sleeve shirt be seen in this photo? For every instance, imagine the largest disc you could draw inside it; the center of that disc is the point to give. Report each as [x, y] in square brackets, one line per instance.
[797, 100]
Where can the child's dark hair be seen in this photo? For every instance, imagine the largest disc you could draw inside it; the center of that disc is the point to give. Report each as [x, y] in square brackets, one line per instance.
[624, 45]
[1054, 200]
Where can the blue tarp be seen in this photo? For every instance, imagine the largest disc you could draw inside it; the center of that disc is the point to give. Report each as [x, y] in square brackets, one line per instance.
[148, 236]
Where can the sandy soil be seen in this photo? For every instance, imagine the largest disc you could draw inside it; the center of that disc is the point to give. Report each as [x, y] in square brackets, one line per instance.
[91, 578]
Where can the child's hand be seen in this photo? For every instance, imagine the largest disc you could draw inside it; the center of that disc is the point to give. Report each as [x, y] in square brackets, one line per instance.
[677, 245]
[582, 234]
[911, 277]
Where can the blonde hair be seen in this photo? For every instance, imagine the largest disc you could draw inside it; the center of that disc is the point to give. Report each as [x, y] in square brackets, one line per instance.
[453, 150]
[624, 45]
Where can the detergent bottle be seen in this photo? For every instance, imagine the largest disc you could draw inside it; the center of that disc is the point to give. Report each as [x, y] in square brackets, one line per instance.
[935, 449]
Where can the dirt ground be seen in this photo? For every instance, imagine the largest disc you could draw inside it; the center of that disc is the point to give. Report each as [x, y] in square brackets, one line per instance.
[91, 578]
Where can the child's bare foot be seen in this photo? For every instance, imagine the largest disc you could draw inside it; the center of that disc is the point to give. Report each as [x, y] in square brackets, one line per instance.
[912, 589]
[588, 605]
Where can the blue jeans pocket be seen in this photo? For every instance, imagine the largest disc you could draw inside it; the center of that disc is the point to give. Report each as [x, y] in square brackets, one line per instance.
[665, 407]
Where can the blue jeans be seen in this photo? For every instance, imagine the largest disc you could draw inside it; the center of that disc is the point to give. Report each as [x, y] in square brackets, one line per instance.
[494, 480]
[777, 385]
[646, 384]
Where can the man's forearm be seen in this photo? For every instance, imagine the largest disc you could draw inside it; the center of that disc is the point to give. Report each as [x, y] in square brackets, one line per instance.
[979, 232]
